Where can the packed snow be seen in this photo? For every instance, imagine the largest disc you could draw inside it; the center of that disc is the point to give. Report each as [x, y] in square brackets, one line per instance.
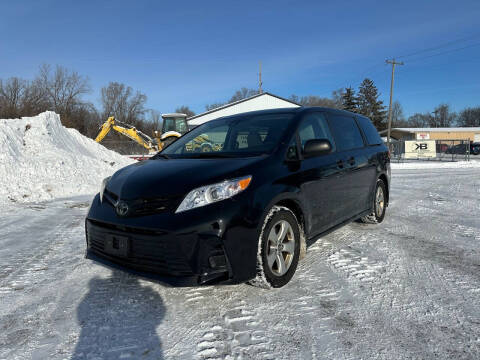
[424, 164]
[42, 160]
[408, 288]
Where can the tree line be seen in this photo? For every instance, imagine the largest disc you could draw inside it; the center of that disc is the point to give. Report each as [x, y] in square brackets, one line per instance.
[63, 90]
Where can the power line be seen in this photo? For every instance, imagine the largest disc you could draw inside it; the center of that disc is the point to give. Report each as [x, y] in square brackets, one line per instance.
[444, 52]
[439, 46]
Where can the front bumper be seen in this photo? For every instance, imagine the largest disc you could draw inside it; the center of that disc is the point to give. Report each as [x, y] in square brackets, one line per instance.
[200, 246]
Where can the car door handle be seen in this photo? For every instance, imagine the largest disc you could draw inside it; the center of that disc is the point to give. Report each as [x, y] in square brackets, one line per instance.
[351, 161]
[340, 164]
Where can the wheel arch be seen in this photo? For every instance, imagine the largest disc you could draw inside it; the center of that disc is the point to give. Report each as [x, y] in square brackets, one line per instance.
[292, 203]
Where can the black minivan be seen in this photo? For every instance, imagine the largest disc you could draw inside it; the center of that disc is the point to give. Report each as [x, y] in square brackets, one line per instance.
[244, 207]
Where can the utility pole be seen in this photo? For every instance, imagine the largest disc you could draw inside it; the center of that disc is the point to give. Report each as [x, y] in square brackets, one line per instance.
[393, 62]
[260, 78]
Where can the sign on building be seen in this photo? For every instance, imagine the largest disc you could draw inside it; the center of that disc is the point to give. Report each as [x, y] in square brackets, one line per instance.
[423, 136]
[420, 149]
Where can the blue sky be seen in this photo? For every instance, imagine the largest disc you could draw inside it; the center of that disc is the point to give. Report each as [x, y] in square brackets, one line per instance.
[200, 52]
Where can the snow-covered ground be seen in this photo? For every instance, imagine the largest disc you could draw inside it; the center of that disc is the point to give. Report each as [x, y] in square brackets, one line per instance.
[406, 289]
[42, 160]
[425, 164]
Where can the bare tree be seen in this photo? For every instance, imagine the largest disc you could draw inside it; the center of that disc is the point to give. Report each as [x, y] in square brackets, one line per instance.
[420, 120]
[119, 100]
[153, 122]
[313, 100]
[213, 106]
[469, 117]
[337, 97]
[294, 98]
[398, 119]
[243, 93]
[35, 100]
[63, 88]
[20, 97]
[443, 117]
[12, 93]
[185, 110]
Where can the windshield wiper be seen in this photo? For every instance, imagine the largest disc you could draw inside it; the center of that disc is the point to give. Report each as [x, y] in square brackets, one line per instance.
[159, 155]
[213, 155]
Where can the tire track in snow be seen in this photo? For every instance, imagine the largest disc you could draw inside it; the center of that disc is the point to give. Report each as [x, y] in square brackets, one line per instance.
[239, 336]
[25, 268]
[33, 271]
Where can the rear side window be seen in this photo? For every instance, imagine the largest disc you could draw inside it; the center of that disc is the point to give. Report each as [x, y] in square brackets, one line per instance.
[345, 132]
[373, 138]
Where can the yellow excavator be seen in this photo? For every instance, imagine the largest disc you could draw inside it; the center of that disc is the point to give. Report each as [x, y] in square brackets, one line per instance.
[174, 126]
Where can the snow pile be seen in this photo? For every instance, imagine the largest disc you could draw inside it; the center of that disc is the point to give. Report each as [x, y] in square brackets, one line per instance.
[419, 164]
[41, 160]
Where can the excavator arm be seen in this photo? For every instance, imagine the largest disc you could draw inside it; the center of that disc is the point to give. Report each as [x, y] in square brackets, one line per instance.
[128, 131]
[137, 136]
[105, 129]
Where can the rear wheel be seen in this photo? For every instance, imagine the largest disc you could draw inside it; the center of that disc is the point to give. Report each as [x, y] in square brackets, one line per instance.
[206, 148]
[278, 249]
[379, 205]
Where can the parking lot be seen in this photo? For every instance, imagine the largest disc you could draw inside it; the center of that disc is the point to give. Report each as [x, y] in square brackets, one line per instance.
[408, 288]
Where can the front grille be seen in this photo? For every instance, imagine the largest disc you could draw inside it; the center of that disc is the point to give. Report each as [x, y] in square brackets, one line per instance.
[143, 207]
[149, 250]
[153, 206]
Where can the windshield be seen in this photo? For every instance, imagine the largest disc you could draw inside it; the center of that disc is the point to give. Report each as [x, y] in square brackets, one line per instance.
[237, 136]
[178, 125]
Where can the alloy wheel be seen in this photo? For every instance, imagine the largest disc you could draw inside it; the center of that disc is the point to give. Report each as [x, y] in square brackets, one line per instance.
[280, 248]
[379, 202]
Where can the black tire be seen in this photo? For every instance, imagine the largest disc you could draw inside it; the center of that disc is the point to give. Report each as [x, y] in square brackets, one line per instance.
[207, 148]
[377, 216]
[271, 276]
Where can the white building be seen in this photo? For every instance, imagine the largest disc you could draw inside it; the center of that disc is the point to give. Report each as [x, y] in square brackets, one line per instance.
[261, 101]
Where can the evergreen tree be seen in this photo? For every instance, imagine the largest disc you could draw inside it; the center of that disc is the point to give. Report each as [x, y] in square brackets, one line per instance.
[369, 104]
[349, 101]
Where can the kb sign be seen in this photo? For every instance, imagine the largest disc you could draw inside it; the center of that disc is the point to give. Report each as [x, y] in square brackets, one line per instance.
[421, 146]
[420, 149]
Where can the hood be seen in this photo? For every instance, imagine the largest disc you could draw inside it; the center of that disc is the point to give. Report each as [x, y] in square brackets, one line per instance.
[161, 178]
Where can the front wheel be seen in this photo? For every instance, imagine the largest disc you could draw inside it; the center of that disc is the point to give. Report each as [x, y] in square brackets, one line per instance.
[379, 205]
[278, 249]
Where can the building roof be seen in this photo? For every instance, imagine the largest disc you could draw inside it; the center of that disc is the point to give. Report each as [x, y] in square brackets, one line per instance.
[440, 129]
[239, 102]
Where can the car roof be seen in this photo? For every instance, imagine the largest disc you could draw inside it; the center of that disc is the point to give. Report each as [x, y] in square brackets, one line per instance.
[295, 110]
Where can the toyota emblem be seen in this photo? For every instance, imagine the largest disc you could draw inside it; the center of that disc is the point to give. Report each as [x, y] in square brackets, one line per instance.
[121, 208]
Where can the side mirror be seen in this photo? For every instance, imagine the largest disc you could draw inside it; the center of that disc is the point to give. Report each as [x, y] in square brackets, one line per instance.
[317, 147]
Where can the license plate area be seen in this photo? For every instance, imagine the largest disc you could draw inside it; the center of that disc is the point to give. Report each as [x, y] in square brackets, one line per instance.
[117, 245]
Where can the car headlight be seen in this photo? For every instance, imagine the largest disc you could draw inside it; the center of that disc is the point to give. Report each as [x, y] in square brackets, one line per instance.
[103, 186]
[212, 193]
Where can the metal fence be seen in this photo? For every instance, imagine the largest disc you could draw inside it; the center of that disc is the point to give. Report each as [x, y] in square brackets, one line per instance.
[431, 150]
[125, 147]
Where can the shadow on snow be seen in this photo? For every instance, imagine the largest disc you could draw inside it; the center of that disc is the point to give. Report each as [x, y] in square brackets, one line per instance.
[118, 318]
